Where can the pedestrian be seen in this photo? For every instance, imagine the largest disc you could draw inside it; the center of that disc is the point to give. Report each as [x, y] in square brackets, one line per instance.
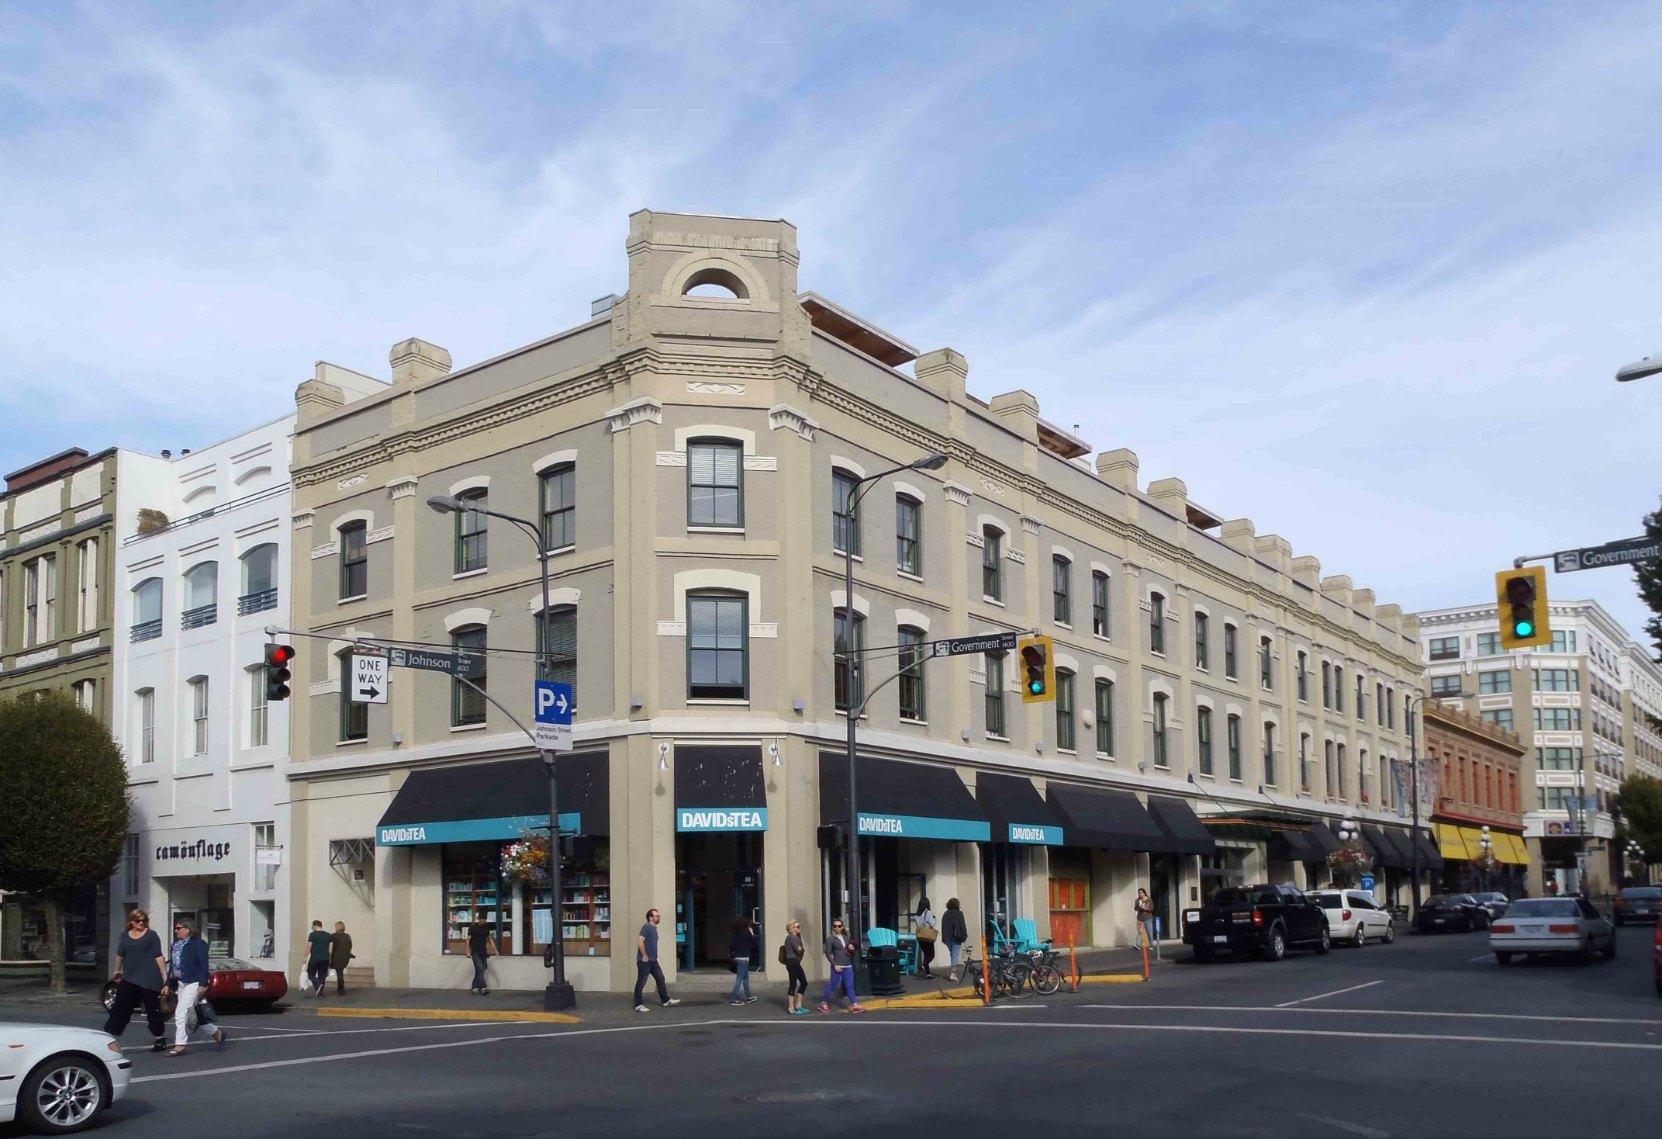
[927, 931]
[646, 963]
[839, 951]
[1145, 919]
[743, 949]
[340, 956]
[188, 978]
[954, 930]
[317, 959]
[207, 1014]
[481, 947]
[791, 954]
[140, 977]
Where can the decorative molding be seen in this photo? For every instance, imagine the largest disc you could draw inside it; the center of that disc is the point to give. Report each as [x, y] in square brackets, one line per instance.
[1015, 555]
[992, 488]
[323, 687]
[88, 512]
[402, 487]
[783, 415]
[956, 493]
[86, 645]
[327, 550]
[975, 540]
[44, 530]
[304, 518]
[1029, 525]
[761, 462]
[706, 387]
[355, 480]
[672, 458]
[672, 628]
[764, 630]
[30, 659]
[643, 410]
[380, 535]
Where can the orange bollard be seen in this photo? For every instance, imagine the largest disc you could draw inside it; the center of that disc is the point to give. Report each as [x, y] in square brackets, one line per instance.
[1073, 960]
[986, 975]
[1144, 940]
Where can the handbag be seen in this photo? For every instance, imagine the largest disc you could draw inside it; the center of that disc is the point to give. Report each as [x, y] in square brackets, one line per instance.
[928, 933]
[781, 955]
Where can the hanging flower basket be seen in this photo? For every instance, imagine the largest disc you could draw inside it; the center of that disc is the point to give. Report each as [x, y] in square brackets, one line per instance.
[1349, 863]
[526, 860]
[1486, 862]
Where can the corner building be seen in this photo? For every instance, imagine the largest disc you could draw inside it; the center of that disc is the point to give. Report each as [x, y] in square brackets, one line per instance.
[689, 457]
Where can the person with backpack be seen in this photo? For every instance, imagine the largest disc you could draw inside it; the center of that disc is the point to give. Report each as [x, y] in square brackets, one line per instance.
[791, 954]
[954, 930]
[743, 950]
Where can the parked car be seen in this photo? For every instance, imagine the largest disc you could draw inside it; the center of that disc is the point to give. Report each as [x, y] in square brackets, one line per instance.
[1266, 920]
[1494, 903]
[1353, 917]
[231, 980]
[1444, 913]
[1642, 904]
[1552, 925]
[57, 1079]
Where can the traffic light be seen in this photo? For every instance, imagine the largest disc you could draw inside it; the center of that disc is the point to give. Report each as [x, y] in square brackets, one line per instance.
[1521, 597]
[277, 658]
[1038, 670]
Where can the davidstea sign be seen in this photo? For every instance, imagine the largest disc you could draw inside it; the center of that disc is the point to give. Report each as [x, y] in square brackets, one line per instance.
[1037, 835]
[721, 818]
[917, 826]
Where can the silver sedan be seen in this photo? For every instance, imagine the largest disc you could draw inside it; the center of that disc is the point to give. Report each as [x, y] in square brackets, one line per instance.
[1552, 925]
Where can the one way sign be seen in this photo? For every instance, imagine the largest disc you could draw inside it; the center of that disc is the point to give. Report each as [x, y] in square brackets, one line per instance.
[369, 680]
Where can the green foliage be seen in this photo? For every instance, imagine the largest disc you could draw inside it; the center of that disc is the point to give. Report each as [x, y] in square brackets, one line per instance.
[1649, 577]
[1640, 801]
[63, 795]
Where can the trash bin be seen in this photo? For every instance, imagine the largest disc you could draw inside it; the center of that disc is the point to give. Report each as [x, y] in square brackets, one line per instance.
[883, 964]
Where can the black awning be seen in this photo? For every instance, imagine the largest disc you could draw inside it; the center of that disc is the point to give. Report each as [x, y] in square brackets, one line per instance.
[501, 800]
[1322, 840]
[1016, 811]
[1112, 820]
[1293, 846]
[901, 800]
[719, 787]
[1185, 833]
[1430, 857]
[1386, 853]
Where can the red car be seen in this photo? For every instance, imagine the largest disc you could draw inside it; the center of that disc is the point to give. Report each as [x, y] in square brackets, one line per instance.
[230, 981]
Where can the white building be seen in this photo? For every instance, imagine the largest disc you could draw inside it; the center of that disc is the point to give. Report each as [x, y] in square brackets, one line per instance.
[198, 578]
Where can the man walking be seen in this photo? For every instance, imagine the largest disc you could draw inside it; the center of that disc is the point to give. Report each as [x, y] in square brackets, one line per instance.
[340, 956]
[646, 963]
[317, 960]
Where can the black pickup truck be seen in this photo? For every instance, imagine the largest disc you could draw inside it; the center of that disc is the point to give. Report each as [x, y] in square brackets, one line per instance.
[1266, 920]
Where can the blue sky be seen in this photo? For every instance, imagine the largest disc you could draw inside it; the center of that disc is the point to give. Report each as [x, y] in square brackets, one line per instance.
[1360, 272]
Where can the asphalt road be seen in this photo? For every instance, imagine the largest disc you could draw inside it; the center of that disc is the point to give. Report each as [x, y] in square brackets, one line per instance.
[1427, 1037]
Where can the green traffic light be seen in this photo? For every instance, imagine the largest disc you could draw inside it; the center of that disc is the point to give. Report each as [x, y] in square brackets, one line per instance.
[1035, 687]
[1523, 629]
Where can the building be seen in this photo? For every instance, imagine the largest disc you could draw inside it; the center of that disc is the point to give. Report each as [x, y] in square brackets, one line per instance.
[1586, 708]
[695, 459]
[59, 519]
[197, 581]
[1478, 800]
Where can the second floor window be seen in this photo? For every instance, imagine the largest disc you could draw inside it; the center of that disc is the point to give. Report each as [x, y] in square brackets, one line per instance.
[1203, 739]
[201, 595]
[467, 706]
[559, 644]
[1061, 591]
[40, 600]
[557, 504]
[1233, 744]
[259, 579]
[1065, 727]
[1099, 604]
[995, 694]
[1105, 717]
[1338, 689]
[146, 725]
[1231, 667]
[718, 647]
[850, 642]
[147, 609]
[845, 513]
[1269, 754]
[1304, 762]
[472, 535]
[354, 716]
[199, 715]
[1156, 623]
[1327, 685]
[1361, 697]
[1302, 676]
[908, 535]
[715, 483]
[992, 562]
[1266, 674]
[354, 559]
[1203, 652]
[86, 562]
[1379, 704]
[258, 711]
[912, 655]
[1161, 758]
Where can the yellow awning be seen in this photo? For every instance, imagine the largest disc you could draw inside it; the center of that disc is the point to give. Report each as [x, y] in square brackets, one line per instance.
[1509, 848]
[1451, 842]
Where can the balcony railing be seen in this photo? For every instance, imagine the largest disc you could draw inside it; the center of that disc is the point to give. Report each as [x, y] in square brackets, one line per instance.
[201, 615]
[147, 630]
[257, 602]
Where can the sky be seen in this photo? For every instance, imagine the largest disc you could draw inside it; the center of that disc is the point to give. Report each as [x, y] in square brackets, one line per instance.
[1362, 272]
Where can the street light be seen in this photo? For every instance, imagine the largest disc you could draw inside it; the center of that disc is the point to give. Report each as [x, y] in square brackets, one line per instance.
[933, 462]
[1414, 782]
[1486, 845]
[1639, 369]
[559, 995]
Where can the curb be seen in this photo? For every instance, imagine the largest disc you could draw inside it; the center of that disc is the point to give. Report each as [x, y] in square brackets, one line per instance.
[1114, 979]
[963, 997]
[450, 1014]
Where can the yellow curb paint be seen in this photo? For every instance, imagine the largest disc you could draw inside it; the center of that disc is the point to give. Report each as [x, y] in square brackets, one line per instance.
[451, 1014]
[1113, 979]
[942, 999]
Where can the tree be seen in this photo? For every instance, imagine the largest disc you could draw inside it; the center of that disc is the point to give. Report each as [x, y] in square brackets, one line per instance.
[1649, 576]
[63, 806]
[1640, 802]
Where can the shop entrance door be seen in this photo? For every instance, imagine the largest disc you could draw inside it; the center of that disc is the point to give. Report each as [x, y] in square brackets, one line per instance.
[718, 877]
[1164, 872]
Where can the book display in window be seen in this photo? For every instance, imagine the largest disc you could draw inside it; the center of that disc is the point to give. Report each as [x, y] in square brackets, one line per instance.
[472, 893]
[586, 913]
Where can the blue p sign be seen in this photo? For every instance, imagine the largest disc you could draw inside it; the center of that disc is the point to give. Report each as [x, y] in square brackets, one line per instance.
[554, 702]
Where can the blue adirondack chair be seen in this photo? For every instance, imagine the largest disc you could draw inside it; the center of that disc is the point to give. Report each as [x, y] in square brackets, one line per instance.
[1026, 937]
[877, 937]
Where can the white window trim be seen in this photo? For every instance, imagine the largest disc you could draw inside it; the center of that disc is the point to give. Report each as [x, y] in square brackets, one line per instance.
[462, 618]
[1160, 687]
[695, 581]
[557, 596]
[1063, 552]
[367, 517]
[862, 606]
[909, 617]
[472, 482]
[907, 490]
[1103, 672]
[722, 431]
[841, 465]
[1062, 660]
[985, 522]
[545, 464]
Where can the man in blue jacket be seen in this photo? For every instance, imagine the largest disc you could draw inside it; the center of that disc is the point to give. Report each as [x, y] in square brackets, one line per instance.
[187, 977]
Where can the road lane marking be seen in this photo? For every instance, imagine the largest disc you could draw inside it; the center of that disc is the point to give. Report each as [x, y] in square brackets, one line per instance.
[1324, 996]
[296, 1033]
[1347, 1125]
[1382, 1012]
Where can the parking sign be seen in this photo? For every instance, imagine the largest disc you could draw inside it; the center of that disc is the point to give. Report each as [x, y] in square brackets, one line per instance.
[553, 705]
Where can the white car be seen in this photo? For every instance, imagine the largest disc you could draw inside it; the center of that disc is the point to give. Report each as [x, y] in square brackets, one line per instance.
[1353, 916]
[57, 1079]
[1552, 925]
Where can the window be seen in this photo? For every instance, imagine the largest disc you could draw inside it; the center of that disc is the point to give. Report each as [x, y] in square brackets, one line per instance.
[1233, 745]
[1362, 772]
[848, 678]
[467, 706]
[1269, 754]
[1562, 642]
[557, 506]
[1500, 717]
[1157, 623]
[715, 483]
[86, 601]
[845, 513]
[1061, 591]
[265, 875]
[912, 655]
[1338, 689]
[1203, 657]
[1330, 775]
[1558, 719]
[1556, 679]
[1066, 735]
[558, 630]
[1340, 767]
[1231, 666]
[201, 596]
[146, 724]
[1558, 758]
[718, 647]
[130, 867]
[908, 535]
[1266, 677]
[40, 600]
[1488, 644]
[199, 715]
[1105, 717]
[1304, 762]
[258, 717]
[1361, 697]
[1099, 604]
[354, 558]
[1302, 676]
[1391, 708]
[259, 580]
[1327, 685]
[1498, 680]
[86, 695]
[1446, 685]
[354, 717]
[1160, 755]
[995, 694]
[1445, 648]
[472, 535]
[1203, 739]
[992, 561]
[1379, 704]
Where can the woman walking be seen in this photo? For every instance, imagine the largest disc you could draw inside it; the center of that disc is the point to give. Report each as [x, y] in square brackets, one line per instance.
[1145, 919]
[927, 932]
[139, 978]
[188, 977]
[340, 956]
[790, 956]
[954, 930]
[839, 951]
[742, 949]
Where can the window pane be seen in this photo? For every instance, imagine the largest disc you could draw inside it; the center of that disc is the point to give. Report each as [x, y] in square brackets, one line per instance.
[912, 655]
[995, 694]
[715, 474]
[908, 550]
[1099, 604]
[1105, 717]
[717, 647]
[559, 508]
[467, 706]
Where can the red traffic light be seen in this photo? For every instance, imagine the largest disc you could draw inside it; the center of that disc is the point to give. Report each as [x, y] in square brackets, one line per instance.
[278, 656]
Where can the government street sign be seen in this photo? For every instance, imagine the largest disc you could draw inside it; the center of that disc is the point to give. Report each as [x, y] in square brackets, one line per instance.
[965, 646]
[1623, 553]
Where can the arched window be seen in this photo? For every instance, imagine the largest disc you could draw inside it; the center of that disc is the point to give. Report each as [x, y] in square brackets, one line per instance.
[1231, 665]
[147, 609]
[845, 513]
[467, 704]
[471, 531]
[1266, 675]
[718, 646]
[259, 579]
[557, 502]
[913, 702]
[201, 596]
[1065, 724]
[848, 682]
[1203, 654]
[716, 283]
[1099, 604]
[354, 560]
[1157, 623]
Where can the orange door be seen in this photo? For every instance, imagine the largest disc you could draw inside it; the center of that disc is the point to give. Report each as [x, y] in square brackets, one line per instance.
[1070, 911]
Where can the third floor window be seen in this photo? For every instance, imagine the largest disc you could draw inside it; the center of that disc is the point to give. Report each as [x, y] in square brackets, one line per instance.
[472, 533]
[992, 563]
[1099, 604]
[1445, 648]
[557, 505]
[1156, 623]
[354, 560]
[1061, 590]
[715, 483]
[1203, 653]
[845, 513]
[908, 535]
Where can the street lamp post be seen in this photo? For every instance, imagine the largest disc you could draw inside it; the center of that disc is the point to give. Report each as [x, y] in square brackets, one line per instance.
[1485, 844]
[1414, 785]
[933, 462]
[559, 995]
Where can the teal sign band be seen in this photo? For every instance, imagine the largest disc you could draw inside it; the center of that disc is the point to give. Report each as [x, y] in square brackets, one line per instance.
[1041, 836]
[914, 826]
[721, 818]
[473, 830]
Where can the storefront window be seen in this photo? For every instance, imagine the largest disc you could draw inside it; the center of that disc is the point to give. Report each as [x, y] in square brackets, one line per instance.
[518, 912]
